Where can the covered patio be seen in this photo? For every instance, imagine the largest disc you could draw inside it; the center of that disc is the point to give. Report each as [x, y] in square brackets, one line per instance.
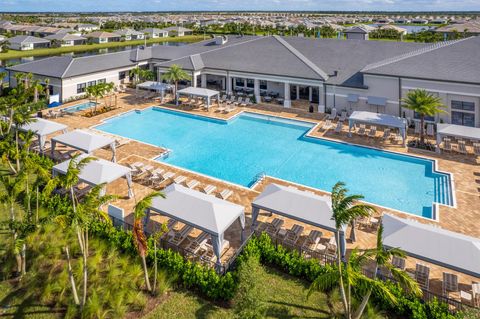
[211, 215]
[156, 87]
[42, 128]
[371, 118]
[207, 94]
[298, 205]
[97, 172]
[84, 141]
[458, 132]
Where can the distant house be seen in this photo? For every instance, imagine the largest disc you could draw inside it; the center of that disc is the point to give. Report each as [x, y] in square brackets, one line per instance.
[359, 32]
[178, 31]
[129, 34]
[66, 39]
[419, 21]
[102, 37]
[400, 30]
[154, 33]
[27, 42]
[2, 39]
[471, 27]
[87, 27]
[402, 20]
[384, 20]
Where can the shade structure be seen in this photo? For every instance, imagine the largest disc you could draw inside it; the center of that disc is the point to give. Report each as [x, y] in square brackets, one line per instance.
[433, 244]
[378, 119]
[194, 91]
[98, 171]
[295, 204]
[458, 131]
[154, 86]
[352, 98]
[205, 212]
[42, 128]
[84, 141]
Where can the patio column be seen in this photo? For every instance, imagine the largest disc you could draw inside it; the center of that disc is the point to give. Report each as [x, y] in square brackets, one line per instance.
[297, 92]
[217, 243]
[310, 94]
[255, 212]
[321, 99]
[229, 84]
[194, 80]
[286, 100]
[245, 82]
[256, 90]
[439, 141]
[204, 80]
[224, 86]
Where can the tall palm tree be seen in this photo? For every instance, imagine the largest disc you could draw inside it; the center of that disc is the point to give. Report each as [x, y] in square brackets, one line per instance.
[3, 75]
[425, 104]
[47, 89]
[346, 208]
[139, 234]
[96, 91]
[175, 74]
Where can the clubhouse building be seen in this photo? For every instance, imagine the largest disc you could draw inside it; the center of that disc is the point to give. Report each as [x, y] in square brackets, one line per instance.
[327, 73]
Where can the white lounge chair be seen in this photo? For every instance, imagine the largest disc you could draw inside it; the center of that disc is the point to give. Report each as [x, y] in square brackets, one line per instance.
[179, 179]
[197, 244]
[274, 227]
[226, 193]
[293, 235]
[230, 108]
[221, 107]
[447, 144]
[313, 239]
[386, 134]
[373, 131]
[246, 102]
[192, 184]
[208, 189]
[327, 125]
[362, 129]
[476, 149]
[430, 130]
[343, 116]
[462, 148]
[239, 101]
[181, 235]
[166, 175]
[339, 127]
[333, 115]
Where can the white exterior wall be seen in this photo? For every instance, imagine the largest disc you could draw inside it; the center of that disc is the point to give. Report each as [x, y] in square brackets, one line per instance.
[54, 82]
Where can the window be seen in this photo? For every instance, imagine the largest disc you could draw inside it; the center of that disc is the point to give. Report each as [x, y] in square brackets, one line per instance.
[92, 83]
[263, 85]
[122, 75]
[81, 88]
[239, 82]
[250, 83]
[463, 113]
[102, 81]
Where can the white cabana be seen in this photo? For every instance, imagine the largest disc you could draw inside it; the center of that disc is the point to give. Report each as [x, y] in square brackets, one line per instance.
[372, 118]
[154, 86]
[42, 128]
[295, 204]
[433, 244]
[195, 91]
[98, 171]
[84, 141]
[457, 131]
[205, 212]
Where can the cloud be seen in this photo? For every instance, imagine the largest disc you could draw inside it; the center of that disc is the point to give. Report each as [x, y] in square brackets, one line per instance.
[213, 5]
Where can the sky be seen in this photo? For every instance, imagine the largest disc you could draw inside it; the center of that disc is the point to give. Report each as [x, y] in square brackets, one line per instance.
[214, 5]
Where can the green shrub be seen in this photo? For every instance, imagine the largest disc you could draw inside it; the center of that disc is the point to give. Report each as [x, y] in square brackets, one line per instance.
[248, 301]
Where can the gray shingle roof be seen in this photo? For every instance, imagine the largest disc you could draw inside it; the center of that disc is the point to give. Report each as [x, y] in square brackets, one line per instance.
[53, 66]
[27, 39]
[456, 61]
[65, 37]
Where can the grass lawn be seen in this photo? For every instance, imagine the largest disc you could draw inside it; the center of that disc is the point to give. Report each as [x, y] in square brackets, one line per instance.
[285, 298]
[88, 47]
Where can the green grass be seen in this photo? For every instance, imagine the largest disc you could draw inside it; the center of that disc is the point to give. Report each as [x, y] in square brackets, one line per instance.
[11, 54]
[285, 298]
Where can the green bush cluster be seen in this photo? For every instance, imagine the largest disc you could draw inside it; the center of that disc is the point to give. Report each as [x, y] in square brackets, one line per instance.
[191, 275]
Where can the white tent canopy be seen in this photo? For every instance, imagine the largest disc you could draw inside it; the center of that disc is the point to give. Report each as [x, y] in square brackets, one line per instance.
[195, 91]
[98, 171]
[433, 244]
[42, 128]
[154, 86]
[84, 141]
[295, 204]
[372, 118]
[458, 131]
[205, 212]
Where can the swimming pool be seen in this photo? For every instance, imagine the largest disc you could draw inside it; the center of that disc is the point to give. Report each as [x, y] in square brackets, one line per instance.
[249, 144]
[79, 107]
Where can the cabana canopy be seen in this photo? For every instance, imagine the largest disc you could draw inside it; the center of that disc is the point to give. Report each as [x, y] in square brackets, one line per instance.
[378, 119]
[458, 131]
[205, 212]
[98, 171]
[298, 205]
[84, 141]
[42, 128]
[433, 244]
[194, 91]
[352, 98]
[154, 86]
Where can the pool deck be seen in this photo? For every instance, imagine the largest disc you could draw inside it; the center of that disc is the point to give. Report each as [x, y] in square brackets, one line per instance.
[464, 169]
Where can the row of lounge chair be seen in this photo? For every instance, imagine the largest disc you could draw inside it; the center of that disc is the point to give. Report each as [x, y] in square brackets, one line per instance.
[145, 173]
[236, 101]
[460, 147]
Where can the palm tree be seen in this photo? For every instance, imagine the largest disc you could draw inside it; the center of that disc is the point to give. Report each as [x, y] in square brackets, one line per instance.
[424, 104]
[139, 234]
[47, 90]
[96, 91]
[3, 75]
[346, 209]
[175, 74]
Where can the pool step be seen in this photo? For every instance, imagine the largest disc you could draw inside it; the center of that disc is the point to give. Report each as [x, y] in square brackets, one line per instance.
[443, 191]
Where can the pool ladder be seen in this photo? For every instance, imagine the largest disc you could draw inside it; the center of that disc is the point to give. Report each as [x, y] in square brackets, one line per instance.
[166, 153]
[258, 179]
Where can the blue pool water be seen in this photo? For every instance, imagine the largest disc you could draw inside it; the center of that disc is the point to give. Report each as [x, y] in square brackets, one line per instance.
[238, 150]
[79, 107]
